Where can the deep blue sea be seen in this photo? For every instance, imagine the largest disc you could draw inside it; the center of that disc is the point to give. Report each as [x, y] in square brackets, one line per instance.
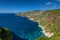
[20, 27]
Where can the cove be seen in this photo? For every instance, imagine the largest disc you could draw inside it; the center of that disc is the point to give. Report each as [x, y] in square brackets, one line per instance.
[20, 27]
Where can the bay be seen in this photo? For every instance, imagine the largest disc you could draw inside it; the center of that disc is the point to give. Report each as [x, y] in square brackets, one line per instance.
[20, 27]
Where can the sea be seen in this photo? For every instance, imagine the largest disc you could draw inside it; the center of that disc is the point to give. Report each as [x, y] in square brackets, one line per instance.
[20, 27]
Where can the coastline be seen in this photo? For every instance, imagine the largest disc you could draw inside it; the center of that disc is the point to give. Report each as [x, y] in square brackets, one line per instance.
[47, 34]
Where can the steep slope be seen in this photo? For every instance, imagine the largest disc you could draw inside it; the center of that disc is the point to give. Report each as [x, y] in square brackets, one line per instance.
[49, 20]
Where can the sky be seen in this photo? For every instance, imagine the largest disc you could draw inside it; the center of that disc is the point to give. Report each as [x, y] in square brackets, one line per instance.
[15, 6]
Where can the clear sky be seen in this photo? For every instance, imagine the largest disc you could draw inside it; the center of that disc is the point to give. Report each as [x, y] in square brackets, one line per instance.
[14, 6]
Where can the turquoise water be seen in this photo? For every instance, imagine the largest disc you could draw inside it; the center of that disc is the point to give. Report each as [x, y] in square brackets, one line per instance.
[22, 26]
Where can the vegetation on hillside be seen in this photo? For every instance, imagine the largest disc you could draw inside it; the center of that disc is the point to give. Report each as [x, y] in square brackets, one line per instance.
[5, 34]
[50, 20]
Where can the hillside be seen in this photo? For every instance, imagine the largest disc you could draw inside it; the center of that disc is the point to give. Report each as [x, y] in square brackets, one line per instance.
[5, 34]
[50, 20]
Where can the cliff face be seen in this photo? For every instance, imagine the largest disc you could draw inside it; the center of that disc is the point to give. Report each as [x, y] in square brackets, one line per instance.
[50, 20]
[45, 18]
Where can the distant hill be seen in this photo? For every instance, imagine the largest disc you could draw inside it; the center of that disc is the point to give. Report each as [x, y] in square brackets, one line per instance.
[50, 20]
